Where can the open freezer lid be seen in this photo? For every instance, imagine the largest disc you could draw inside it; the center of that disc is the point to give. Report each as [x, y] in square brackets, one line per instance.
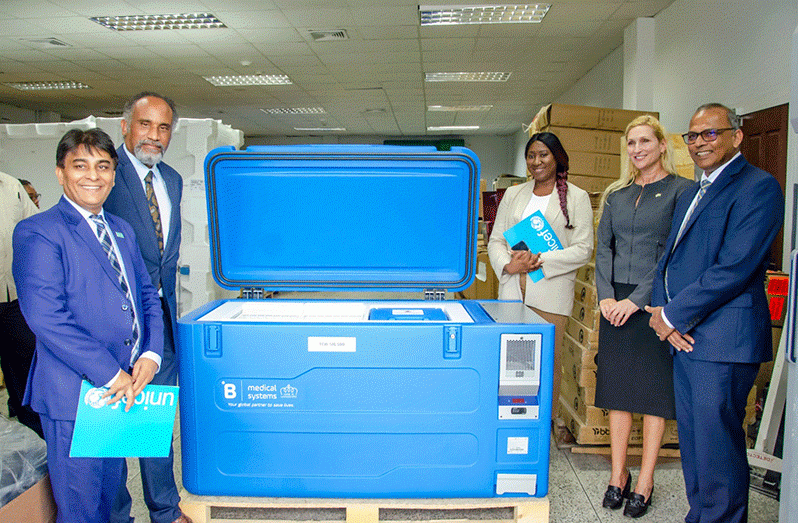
[366, 217]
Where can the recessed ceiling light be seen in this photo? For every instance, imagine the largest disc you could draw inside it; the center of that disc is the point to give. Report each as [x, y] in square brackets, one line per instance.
[46, 86]
[319, 129]
[458, 108]
[466, 77]
[159, 22]
[248, 79]
[452, 128]
[295, 110]
[482, 14]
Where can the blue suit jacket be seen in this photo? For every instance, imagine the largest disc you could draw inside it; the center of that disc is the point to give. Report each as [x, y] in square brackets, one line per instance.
[128, 201]
[716, 270]
[72, 300]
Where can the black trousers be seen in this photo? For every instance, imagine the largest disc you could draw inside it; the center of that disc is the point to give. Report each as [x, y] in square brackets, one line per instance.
[17, 344]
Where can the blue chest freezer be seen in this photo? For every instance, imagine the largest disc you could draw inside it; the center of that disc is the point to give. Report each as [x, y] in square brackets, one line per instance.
[357, 398]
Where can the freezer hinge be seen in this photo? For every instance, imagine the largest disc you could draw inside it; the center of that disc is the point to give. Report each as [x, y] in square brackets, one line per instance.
[434, 294]
[252, 293]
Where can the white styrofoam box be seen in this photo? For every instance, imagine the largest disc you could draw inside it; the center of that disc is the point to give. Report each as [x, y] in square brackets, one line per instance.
[28, 151]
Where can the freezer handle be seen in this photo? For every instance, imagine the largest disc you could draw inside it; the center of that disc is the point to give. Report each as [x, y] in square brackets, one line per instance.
[792, 304]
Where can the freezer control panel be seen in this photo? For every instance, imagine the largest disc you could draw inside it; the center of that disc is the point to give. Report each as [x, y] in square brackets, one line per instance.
[519, 378]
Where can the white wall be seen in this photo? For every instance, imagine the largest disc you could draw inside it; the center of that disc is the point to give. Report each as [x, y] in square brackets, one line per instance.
[736, 52]
[495, 153]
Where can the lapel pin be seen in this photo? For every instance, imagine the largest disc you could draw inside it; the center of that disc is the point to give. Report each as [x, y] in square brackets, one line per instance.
[658, 195]
[119, 234]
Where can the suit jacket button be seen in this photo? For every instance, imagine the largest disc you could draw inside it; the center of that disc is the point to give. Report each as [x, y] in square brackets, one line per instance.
[128, 342]
[125, 307]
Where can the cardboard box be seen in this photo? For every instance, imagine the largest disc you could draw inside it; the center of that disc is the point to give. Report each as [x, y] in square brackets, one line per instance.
[587, 274]
[588, 338]
[585, 293]
[587, 316]
[591, 184]
[594, 164]
[587, 140]
[35, 505]
[486, 284]
[600, 435]
[583, 117]
[578, 353]
[681, 157]
[579, 367]
[578, 398]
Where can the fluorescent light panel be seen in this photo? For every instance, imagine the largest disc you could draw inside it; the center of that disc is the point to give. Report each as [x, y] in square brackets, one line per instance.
[159, 22]
[467, 77]
[46, 86]
[482, 14]
[253, 79]
[459, 108]
[452, 128]
[295, 110]
[319, 129]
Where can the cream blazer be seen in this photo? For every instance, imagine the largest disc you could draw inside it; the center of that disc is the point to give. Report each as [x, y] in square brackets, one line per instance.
[555, 292]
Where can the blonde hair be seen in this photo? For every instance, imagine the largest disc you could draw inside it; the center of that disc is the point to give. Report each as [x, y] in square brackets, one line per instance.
[628, 171]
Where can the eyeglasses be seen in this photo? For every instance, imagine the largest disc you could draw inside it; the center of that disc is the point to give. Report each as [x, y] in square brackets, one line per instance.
[709, 135]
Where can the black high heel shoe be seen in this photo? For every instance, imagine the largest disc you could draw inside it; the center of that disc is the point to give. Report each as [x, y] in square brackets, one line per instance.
[637, 504]
[614, 496]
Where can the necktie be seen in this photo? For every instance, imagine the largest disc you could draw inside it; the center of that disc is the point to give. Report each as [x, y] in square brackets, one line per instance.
[105, 241]
[154, 210]
[701, 191]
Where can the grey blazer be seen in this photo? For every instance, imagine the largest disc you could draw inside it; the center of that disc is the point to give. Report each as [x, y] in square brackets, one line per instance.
[555, 292]
[631, 236]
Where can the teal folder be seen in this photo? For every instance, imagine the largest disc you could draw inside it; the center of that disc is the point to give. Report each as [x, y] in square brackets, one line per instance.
[107, 431]
[535, 231]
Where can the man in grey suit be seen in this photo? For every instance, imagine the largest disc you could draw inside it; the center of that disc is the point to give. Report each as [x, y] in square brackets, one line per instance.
[147, 195]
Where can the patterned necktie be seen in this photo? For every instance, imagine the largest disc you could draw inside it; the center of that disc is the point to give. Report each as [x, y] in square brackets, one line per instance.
[154, 210]
[105, 241]
[701, 191]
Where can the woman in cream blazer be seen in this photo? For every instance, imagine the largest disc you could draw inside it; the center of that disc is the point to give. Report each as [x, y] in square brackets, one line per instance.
[552, 297]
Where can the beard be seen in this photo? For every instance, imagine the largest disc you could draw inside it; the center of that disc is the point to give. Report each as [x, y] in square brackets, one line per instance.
[146, 158]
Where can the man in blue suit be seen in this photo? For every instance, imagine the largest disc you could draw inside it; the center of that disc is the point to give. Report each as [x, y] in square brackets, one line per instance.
[709, 303]
[147, 195]
[86, 295]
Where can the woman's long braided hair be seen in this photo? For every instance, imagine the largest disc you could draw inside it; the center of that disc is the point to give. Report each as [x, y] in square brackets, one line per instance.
[551, 141]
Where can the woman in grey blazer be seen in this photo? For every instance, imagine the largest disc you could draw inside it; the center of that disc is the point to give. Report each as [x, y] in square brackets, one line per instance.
[635, 369]
[567, 209]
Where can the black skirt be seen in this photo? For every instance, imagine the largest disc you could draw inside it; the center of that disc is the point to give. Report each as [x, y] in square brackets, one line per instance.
[635, 368]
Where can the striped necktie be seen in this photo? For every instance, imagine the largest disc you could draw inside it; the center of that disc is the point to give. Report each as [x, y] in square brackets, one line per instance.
[155, 211]
[701, 191]
[105, 241]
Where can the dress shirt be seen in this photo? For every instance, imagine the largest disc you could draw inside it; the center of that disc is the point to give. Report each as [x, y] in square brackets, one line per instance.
[711, 177]
[130, 284]
[15, 206]
[158, 185]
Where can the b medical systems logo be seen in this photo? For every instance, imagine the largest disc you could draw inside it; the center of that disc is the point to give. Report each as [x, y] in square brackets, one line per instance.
[229, 390]
[288, 392]
[94, 398]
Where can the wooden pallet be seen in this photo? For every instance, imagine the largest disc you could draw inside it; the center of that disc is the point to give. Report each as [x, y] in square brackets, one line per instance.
[207, 509]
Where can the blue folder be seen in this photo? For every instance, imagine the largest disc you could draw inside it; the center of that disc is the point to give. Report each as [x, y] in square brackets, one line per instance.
[536, 233]
[107, 431]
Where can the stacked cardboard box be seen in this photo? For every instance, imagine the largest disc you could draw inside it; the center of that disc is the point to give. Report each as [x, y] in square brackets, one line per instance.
[592, 136]
[587, 423]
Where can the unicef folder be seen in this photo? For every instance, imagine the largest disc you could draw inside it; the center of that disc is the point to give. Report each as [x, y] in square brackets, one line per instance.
[536, 233]
[107, 431]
